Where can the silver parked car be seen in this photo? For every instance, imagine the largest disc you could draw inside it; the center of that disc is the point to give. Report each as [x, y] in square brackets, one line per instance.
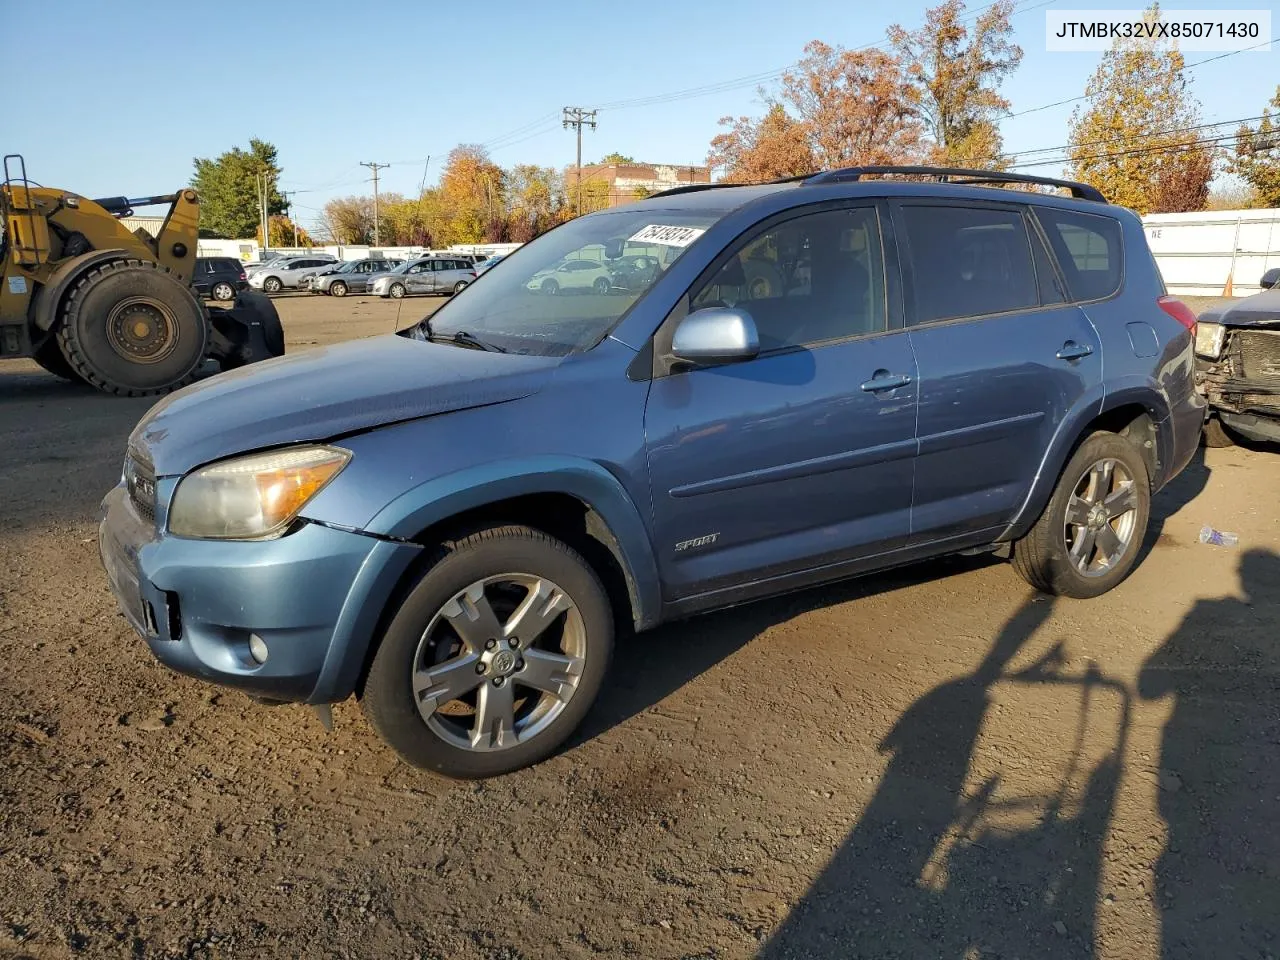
[353, 276]
[488, 264]
[285, 274]
[429, 275]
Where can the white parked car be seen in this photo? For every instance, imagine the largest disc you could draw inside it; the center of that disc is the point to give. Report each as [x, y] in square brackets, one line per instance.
[285, 274]
[574, 275]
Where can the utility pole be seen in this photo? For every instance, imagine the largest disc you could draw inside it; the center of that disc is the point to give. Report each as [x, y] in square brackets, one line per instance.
[260, 185]
[578, 117]
[375, 167]
[288, 208]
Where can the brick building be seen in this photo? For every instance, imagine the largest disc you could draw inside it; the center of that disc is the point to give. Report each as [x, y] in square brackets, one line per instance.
[613, 184]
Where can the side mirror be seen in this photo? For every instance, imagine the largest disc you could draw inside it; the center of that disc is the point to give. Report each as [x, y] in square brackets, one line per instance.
[1270, 279]
[716, 335]
[613, 248]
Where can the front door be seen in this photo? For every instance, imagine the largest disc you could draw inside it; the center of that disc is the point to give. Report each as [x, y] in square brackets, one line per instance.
[419, 279]
[801, 457]
[1003, 359]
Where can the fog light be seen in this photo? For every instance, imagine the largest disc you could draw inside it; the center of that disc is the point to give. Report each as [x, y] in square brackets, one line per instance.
[258, 648]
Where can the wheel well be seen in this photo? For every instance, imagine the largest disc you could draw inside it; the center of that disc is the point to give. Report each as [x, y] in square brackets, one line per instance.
[560, 515]
[1131, 420]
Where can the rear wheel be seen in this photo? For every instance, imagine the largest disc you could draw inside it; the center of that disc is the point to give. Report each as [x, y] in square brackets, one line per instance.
[397, 290]
[129, 328]
[1216, 434]
[223, 291]
[459, 286]
[1088, 538]
[494, 657]
[338, 288]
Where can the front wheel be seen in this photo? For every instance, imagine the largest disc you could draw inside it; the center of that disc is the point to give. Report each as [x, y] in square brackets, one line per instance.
[272, 285]
[494, 657]
[223, 291]
[1088, 538]
[338, 288]
[602, 285]
[397, 290]
[550, 287]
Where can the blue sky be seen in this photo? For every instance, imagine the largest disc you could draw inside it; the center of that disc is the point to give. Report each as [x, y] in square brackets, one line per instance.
[333, 84]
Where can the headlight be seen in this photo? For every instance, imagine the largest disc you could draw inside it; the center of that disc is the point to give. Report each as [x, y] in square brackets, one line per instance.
[1210, 338]
[253, 497]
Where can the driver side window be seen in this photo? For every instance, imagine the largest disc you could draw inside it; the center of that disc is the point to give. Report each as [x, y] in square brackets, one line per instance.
[807, 280]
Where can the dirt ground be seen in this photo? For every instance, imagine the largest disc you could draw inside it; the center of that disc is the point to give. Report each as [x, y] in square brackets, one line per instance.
[931, 763]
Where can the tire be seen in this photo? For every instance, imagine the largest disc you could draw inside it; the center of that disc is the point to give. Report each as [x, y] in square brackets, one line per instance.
[129, 328]
[1044, 557]
[396, 291]
[550, 287]
[338, 288]
[272, 285]
[52, 361]
[459, 287]
[437, 737]
[1217, 434]
[223, 292]
[602, 286]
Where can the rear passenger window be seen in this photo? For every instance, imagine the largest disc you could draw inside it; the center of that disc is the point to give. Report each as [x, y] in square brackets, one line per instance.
[969, 261]
[1089, 249]
[807, 280]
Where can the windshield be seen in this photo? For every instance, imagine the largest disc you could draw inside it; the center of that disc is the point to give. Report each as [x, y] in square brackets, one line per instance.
[345, 268]
[559, 294]
[404, 267]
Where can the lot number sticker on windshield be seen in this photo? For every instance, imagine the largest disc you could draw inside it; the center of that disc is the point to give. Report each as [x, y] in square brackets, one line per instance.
[667, 236]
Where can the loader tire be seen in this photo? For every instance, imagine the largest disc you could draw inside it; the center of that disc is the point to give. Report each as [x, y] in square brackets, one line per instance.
[52, 361]
[130, 329]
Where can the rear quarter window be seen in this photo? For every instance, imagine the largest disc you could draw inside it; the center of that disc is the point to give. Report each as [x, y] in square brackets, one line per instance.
[1089, 249]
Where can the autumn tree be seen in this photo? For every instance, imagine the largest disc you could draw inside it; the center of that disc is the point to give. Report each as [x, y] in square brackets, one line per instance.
[612, 158]
[1257, 156]
[769, 148]
[536, 198]
[349, 219]
[229, 195]
[1132, 139]
[282, 233]
[472, 193]
[955, 72]
[835, 108]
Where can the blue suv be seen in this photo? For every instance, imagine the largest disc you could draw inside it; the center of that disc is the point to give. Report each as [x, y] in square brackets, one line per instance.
[822, 377]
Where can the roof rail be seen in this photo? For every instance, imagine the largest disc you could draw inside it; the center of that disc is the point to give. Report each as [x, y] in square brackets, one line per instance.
[1081, 191]
[694, 187]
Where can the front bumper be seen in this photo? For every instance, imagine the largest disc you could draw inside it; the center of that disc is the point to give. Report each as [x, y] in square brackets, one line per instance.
[314, 597]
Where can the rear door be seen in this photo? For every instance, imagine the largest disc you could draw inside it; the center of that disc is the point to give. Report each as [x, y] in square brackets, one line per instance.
[1002, 360]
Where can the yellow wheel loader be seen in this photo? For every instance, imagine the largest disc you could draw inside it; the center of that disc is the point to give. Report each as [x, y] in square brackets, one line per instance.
[90, 300]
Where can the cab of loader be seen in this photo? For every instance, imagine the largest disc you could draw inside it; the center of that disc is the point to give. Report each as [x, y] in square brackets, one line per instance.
[92, 301]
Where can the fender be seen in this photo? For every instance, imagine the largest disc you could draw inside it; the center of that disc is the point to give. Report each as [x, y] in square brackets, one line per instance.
[449, 495]
[49, 296]
[1099, 400]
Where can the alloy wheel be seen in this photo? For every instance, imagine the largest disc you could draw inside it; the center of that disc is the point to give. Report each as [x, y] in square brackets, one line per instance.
[1101, 518]
[499, 662]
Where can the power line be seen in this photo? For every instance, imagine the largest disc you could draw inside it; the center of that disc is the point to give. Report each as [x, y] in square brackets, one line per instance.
[1138, 151]
[578, 117]
[1170, 131]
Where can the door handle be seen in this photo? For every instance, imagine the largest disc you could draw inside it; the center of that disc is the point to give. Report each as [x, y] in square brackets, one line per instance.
[1074, 351]
[884, 380]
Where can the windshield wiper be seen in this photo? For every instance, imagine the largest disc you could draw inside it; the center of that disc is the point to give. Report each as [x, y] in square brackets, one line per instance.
[462, 338]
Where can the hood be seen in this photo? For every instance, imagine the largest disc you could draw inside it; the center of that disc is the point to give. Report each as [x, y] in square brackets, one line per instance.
[1260, 310]
[326, 392]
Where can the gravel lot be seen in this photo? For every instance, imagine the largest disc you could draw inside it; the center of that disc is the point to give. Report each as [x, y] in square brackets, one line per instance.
[931, 763]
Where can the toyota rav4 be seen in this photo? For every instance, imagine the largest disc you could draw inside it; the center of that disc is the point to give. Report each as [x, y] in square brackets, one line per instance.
[822, 377]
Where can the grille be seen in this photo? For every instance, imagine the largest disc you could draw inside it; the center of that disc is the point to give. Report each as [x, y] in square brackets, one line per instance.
[140, 481]
[1260, 354]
